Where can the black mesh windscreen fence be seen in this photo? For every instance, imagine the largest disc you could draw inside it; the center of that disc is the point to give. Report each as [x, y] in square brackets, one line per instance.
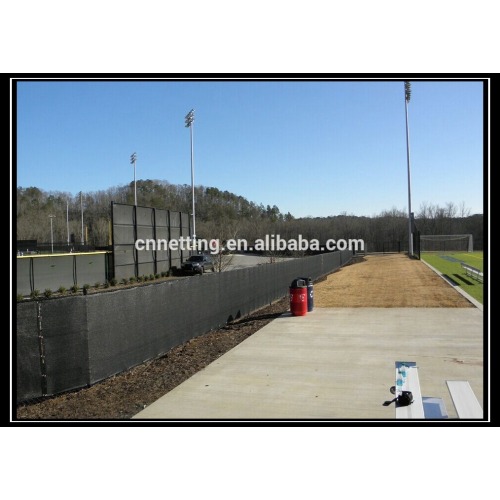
[124, 237]
[89, 338]
[153, 229]
[50, 272]
[28, 368]
[64, 330]
[24, 276]
[162, 234]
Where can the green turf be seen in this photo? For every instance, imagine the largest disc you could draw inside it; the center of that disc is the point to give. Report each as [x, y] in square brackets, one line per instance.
[455, 271]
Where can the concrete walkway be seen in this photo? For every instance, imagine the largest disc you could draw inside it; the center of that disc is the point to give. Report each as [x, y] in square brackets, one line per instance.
[333, 364]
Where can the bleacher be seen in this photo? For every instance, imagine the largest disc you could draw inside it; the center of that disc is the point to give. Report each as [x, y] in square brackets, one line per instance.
[472, 272]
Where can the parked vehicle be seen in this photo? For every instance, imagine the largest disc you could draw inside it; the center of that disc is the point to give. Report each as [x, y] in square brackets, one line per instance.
[198, 264]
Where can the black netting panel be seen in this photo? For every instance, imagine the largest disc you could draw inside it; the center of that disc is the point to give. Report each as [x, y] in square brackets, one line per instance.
[125, 272]
[145, 216]
[90, 268]
[28, 371]
[185, 223]
[162, 233]
[123, 235]
[23, 276]
[145, 233]
[122, 214]
[161, 217]
[124, 255]
[52, 272]
[64, 330]
[175, 219]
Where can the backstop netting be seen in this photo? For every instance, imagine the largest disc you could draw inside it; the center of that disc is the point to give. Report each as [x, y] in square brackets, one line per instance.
[446, 243]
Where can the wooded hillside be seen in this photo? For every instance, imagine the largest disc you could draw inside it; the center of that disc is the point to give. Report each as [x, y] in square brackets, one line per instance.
[223, 215]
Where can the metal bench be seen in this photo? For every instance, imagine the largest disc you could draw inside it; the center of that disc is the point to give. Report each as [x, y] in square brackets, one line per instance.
[472, 272]
[464, 399]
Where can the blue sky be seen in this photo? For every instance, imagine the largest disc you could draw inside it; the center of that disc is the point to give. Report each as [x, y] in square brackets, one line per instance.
[313, 148]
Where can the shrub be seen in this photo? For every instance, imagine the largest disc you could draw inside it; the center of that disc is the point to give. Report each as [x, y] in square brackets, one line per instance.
[145, 277]
[47, 293]
[34, 294]
[85, 288]
[20, 297]
[132, 279]
[157, 276]
[97, 284]
[106, 284]
[124, 281]
[62, 290]
[74, 289]
[113, 281]
[151, 277]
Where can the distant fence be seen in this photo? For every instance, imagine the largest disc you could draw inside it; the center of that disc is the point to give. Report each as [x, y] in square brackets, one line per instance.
[41, 272]
[72, 342]
[131, 223]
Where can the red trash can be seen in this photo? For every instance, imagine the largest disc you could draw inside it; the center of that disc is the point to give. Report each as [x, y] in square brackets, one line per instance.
[298, 297]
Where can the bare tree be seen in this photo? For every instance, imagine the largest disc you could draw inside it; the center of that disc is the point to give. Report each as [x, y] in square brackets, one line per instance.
[463, 211]
[221, 231]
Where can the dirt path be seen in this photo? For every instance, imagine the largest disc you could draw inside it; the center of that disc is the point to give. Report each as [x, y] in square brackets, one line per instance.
[386, 280]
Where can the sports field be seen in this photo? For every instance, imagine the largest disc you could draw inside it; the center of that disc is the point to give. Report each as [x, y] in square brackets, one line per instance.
[450, 265]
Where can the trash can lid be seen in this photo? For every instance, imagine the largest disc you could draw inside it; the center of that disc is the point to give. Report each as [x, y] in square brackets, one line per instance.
[298, 283]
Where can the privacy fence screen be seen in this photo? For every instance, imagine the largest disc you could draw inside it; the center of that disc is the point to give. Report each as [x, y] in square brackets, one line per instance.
[131, 223]
[71, 342]
[41, 272]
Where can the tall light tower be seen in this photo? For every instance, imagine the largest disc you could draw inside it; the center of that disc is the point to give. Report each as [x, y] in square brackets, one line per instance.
[81, 209]
[133, 159]
[407, 100]
[67, 219]
[189, 123]
[51, 235]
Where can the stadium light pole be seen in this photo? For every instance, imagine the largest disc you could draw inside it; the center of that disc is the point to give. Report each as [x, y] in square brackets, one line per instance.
[133, 159]
[67, 219]
[81, 209]
[189, 119]
[51, 235]
[407, 100]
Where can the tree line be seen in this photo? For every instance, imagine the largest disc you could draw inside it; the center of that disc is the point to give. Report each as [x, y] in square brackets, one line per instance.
[224, 215]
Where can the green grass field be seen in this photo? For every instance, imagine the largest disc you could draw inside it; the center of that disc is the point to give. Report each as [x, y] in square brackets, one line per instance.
[449, 263]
